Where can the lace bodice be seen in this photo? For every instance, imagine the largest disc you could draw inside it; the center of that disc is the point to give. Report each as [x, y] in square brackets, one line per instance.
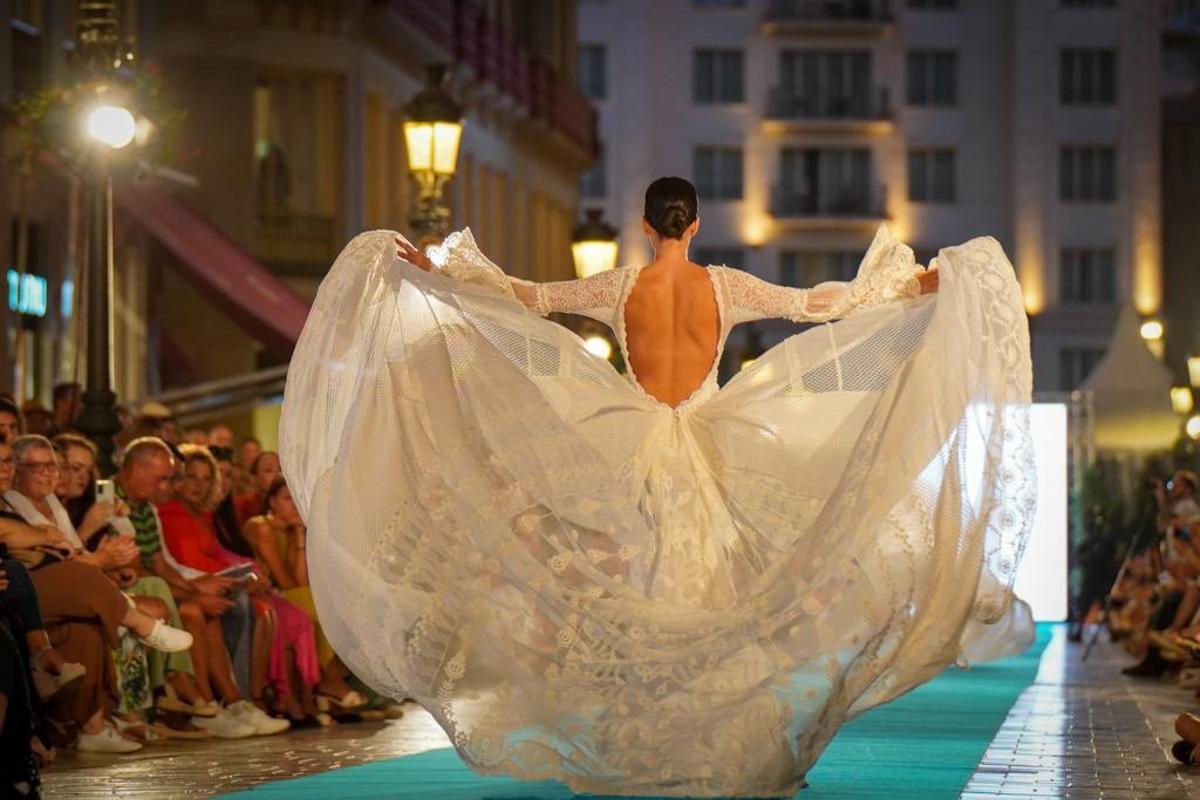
[887, 273]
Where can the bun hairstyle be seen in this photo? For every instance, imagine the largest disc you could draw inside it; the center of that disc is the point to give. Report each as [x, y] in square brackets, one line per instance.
[670, 206]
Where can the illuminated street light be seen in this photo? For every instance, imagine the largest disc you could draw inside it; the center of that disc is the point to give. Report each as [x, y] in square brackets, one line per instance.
[1193, 426]
[1193, 364]
[112, 126]
[1181, 399]
[432, 132]
[593, 245]
[1152, 330]
[598, 345]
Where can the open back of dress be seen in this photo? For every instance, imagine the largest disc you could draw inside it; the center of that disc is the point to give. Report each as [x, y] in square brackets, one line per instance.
[582, 583]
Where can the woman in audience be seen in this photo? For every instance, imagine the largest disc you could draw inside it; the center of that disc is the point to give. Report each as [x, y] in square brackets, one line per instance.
[277, 536]
[189, 537]
[225, 520]
[81, 607]
[263, 472]
[76, 488]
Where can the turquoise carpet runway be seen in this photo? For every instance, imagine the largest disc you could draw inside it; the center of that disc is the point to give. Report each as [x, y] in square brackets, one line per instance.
[924, 745]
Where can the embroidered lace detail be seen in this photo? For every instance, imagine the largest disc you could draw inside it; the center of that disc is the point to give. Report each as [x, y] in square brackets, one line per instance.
[584, 586]
[887, 273]
[460, 258]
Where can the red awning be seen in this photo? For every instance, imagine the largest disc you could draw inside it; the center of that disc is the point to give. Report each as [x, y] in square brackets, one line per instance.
[254, 297]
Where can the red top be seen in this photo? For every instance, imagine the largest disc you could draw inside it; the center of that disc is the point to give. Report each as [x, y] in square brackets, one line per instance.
[247, 506]
[192, 539]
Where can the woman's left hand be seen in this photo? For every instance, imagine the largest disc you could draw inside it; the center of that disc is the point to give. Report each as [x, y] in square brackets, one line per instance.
[409, 252]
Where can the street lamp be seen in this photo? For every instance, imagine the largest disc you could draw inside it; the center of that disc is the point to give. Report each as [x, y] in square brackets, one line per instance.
[1181, 399]
[1193, 426]
[1193, 365]
[432, 132]
[593, 245]
[109, 127]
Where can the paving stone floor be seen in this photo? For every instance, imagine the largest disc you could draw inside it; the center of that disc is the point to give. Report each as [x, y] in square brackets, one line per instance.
[1081, 730]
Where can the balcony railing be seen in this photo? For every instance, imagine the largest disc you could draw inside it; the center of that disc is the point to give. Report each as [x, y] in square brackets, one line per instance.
[788, 104]
[462, 29]
[850, 202]
[828, 10]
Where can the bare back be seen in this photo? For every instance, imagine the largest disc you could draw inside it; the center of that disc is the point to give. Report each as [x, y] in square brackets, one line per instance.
[672, 329]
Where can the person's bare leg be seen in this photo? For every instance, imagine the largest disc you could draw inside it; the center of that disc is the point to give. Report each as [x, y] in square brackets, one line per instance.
[220, 667]
[94, 724]
[1187, 608]
[195, 624]
[138, 621]
[42, 653]
[260, 658]
[333, 679]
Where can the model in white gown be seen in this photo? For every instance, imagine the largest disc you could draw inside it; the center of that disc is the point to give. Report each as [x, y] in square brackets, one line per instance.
[583, 583]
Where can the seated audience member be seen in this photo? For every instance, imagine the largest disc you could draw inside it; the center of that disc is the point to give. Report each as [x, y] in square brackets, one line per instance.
[146, 477]
[229, 532]
[190, 535]
[12, 424]
[220, 436]
[76, 488]
[196, 437]
[263, 472]
[19, 739]
[278, 538]
[247, 452]
[83, 611]
[37, 419]
[66, 407]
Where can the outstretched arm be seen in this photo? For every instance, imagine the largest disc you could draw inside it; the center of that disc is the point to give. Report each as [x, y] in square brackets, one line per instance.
[594, 297]
[753, 298]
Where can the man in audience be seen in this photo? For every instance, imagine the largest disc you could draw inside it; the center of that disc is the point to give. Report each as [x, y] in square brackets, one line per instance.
[220, 436]
[145, 477]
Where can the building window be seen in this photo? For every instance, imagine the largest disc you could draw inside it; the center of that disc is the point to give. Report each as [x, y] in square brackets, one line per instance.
[1087, 77]
[823, 83]
[721, 256]
[1087, 174]
[931, 175]
[933, 78]
[592, 71]
[933, 5]
[593, 184]
[718, 172]
[805, 268]
[717, 76]
[1086, 276]
[1075, 364]
[825, 181]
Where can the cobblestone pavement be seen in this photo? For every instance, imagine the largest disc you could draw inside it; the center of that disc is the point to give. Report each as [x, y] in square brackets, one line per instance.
[1084, 731]
[1081, 730]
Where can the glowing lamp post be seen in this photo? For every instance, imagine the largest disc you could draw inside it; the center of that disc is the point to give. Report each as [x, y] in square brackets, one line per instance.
[1181, 399]
[433, 128]
[1152, 331]
[593, 245]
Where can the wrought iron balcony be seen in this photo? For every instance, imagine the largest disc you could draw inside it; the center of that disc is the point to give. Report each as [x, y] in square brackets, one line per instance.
[849, 203]
[788, 104]
[831, 16]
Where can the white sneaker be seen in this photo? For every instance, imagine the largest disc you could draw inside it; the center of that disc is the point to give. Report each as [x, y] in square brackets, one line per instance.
[264, 724]
[225, 725]
[106, 741]
[166, 639]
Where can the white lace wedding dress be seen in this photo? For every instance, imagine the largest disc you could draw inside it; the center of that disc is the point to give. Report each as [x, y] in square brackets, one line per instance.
[582, 583]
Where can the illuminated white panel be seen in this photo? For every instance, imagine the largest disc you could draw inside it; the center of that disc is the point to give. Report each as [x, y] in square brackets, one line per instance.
[1042, 576]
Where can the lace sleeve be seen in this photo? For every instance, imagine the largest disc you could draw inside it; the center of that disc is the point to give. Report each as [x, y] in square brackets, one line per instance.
[460, 258]
[887, 273]
[595, 296]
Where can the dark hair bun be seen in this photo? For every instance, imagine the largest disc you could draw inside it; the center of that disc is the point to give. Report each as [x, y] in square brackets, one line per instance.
[670, 206]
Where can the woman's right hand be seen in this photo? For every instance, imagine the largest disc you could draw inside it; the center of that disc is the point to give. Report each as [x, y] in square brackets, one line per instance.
[117, 551]
[410, 253]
